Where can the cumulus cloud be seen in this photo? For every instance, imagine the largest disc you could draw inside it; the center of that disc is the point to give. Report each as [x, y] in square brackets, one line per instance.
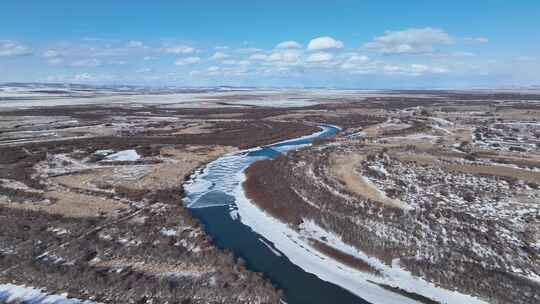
[179, 49]
[320, 57]
[289, 45]
[287, 56]
[355, 61]
[409, 41]
[324, 43]
[188, 60]
[219, 55]
[13, 49]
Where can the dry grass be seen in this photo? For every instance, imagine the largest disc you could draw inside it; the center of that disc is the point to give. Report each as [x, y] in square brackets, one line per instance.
[157, 268]
[71, 204]
[373, 132]
[343, 168]
[529, 176]
[494, 170]
[197, 128]
[154, 176]
[531, 159]
[421, 159]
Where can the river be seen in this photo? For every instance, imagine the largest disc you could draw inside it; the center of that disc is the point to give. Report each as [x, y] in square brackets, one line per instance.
[210, 194]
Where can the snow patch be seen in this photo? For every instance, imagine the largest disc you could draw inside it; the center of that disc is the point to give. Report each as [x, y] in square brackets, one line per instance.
[168, 232]
[10, 293]
[126, 155]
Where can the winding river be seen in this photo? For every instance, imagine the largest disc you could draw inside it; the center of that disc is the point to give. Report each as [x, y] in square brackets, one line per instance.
[212, 196]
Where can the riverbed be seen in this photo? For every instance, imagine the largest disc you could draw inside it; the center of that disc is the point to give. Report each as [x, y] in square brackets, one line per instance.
[211, 196]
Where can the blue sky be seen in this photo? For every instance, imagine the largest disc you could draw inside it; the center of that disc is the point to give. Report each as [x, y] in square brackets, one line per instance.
[352, 44]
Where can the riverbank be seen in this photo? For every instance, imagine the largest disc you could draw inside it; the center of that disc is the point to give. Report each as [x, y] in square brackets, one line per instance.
[430, 216]
[98, 217]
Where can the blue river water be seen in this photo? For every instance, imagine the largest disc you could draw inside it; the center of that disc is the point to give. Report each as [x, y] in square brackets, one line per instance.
[210, 196]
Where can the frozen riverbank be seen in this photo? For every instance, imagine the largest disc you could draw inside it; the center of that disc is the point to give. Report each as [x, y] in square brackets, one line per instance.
[220, 185]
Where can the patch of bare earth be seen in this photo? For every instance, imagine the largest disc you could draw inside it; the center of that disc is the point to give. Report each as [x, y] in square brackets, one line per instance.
[343, 167]
[71, 204]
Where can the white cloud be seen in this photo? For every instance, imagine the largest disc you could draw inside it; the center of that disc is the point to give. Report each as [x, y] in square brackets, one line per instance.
[83, 77]
[109, 52]
[236, 62]
[219, 55]
[188, 60]
[55, 61]
[275, 70]
[86, 63]
[324, 43]
[320, 57]
[358, 58]
[458, 54]
[221, 47]
[355, 61]
[213, 69]
[53, 57]
[249, 50]
[147, 58]
[284, 56]
[135, 44]
[51, 54]
[409, 41]
[412, 69]
[179, 49]
[289, 45]
[477, 39]
[13, 49]
[258, 56]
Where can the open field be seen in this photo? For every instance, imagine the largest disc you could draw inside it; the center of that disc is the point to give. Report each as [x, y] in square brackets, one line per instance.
[444, 185]
[465, 184]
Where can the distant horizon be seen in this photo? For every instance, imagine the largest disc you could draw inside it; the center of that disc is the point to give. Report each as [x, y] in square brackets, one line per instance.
[157, 86]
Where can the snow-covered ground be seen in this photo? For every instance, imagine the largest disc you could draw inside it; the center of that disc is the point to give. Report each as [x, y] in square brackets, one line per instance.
[227, 175]
[296, 247]
[126, 155]
[32, 95]
[10, 293]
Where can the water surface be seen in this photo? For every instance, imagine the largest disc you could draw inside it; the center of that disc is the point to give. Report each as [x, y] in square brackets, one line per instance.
[210, 195]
